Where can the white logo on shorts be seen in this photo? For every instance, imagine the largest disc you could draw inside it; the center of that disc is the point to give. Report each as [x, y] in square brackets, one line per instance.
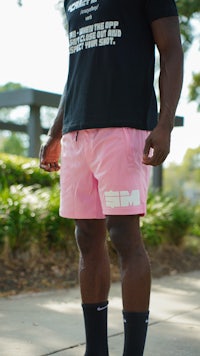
[122, 198]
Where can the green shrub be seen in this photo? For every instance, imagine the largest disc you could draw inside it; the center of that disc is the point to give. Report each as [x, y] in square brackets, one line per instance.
[29, 215]
[25, 171]
[29, 207]
[195, 228]
[17, 219]
[60, 231]
[167, 221]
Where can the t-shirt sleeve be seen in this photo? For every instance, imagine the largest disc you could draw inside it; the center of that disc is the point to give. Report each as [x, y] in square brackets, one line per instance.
[157, 9]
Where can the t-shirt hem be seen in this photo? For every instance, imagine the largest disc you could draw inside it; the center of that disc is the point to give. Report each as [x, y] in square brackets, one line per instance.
[103, 125]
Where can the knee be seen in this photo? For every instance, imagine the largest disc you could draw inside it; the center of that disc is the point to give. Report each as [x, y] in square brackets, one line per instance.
[124, 244]
[83, 237]
[89, 236]
[125, 236]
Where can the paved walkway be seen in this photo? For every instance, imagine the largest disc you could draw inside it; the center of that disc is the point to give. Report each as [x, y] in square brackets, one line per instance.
[45, 324]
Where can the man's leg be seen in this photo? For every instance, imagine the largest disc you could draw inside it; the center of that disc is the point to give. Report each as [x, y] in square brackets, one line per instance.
[136, 280]
[94, 276]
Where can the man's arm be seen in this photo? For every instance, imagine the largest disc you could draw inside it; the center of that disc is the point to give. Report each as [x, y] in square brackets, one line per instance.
[50, 151]
[167, 38]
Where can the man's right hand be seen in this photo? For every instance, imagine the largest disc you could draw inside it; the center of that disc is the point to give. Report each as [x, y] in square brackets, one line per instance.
[50, 154]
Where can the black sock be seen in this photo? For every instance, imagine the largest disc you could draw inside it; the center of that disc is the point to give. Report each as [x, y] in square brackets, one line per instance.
[135, 330]
[95, 318]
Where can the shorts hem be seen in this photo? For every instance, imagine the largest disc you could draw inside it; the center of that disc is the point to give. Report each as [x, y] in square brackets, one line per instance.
[107, 212]
[141, 211]
[81, 216]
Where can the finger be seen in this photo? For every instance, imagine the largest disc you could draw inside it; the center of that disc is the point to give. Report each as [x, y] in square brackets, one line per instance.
[147, 148]
[41, 153]
[156, 159]
[50, 167]
[45, 166]
[147, 152]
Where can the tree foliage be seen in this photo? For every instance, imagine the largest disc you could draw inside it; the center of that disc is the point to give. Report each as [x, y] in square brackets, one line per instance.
[10, 86]
[178, 178]
[194, 89]
[13, 144]
[191, 164]
[188, 10]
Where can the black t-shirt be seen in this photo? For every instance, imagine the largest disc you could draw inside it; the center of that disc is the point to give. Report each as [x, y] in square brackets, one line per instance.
[111, 67]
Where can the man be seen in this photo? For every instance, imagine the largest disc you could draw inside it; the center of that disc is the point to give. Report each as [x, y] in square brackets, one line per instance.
[107, 120]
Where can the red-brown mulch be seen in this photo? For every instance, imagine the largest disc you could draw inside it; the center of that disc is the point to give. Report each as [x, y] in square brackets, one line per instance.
[26, 273]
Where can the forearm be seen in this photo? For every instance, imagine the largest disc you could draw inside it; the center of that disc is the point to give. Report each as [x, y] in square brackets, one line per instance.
[166, 34]
[56, 129]
[170, 85]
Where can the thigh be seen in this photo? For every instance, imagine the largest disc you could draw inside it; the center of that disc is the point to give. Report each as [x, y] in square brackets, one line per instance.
[79, 197]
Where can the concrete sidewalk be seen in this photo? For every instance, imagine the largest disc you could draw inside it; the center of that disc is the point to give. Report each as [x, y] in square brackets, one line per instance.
[51, 323]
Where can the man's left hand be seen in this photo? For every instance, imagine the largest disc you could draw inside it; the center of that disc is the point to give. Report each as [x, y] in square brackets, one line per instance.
[159, 142]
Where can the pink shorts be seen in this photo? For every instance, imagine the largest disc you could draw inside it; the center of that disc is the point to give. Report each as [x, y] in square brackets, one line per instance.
[102, 173]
